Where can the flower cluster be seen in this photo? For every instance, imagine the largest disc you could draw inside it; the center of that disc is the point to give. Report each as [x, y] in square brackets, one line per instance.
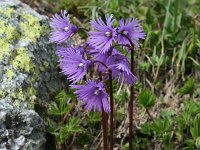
[99, 52]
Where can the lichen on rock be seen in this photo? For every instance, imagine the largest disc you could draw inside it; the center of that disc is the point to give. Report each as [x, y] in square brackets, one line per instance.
[28, 78]
[27, 59]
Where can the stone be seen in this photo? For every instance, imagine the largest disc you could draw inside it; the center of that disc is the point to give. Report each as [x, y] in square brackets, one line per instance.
[29, 73]
[20, 128]
[29, 76]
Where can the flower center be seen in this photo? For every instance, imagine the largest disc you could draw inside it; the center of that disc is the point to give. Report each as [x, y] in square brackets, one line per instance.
[125, 32]
[108, 34]
[81, 65]
[66, 29]
[96, 92]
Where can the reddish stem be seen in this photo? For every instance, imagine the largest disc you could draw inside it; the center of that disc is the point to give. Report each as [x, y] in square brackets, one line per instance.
[111, 111]
[104, 125]
[96, 61]
[132, 94]
[131, 105]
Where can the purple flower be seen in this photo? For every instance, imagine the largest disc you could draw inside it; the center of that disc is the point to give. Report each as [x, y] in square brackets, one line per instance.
[100, 57]
[124, 73]
[93, 95]
[103, 57]
[132, 29]
[62, 28]
[120, 68]
[72, 63]
[61, 51]
[102, 39]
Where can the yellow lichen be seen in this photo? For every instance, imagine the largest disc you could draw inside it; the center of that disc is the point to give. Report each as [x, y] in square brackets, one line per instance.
[20, 95]
[22, 60]
[8, 32]
[10, 74]
[31, 28]
[25, 95]
[31, 93]
[16, 102]
[4, 48]
[7, 12]
[7, 35]
[2, 23]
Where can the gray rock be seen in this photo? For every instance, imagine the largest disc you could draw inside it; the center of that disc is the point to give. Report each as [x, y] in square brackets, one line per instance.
[29, 77]
[20, 129]
[29, 74]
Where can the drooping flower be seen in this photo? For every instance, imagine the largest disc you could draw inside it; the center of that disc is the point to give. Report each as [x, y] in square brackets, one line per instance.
[102, 57]
[119, 66]
[104, 35]
[93, 95]
[62, 29]
[132, 29]
[124, 73]
[72, 63]
[61, 50]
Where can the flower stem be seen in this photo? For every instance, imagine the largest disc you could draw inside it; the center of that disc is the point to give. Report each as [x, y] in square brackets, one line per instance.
[96, 61]
[104, 125]
[111, 111]
[127, 39]
[125, 45]
[131, 105]
[86, 30]
[132, 94]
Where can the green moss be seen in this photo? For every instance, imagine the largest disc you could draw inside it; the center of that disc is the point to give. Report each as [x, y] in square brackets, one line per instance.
[7, 12]
[31, 28]
[22, 60]
[10, 74]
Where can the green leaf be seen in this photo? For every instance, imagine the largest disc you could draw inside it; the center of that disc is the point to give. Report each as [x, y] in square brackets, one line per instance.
[191, 107]
[83, 139]
[146, 128]
[167, 113]
[121, 97]
[167, 141]
[160, 126]
[144, 66]
[59, 110]
[60, 106]
[190, 144]
[196, 63]
[93, 117]
[146, 98]
[67, 130]
[197, 142]
[195, 129]
[188, 87]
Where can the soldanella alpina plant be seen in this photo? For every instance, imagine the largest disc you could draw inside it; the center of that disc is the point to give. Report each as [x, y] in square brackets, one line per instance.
[98, 62]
